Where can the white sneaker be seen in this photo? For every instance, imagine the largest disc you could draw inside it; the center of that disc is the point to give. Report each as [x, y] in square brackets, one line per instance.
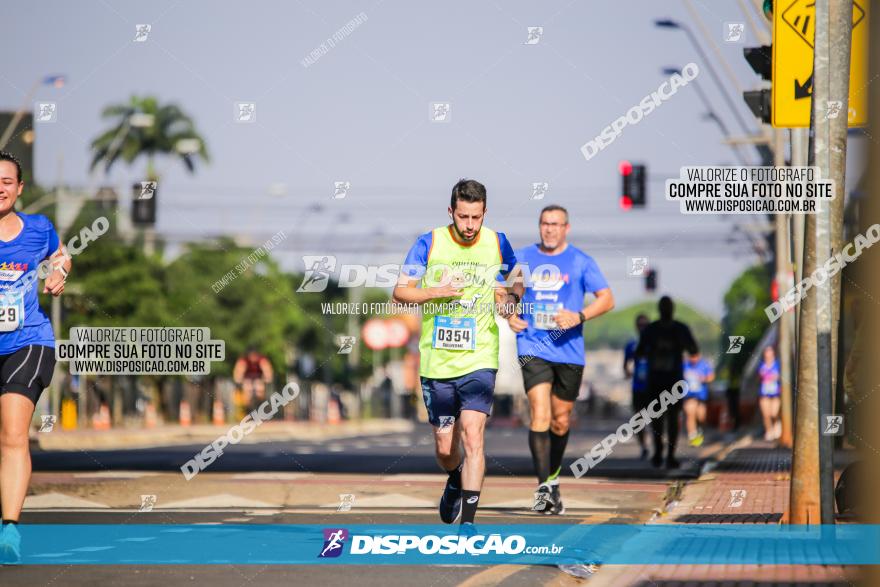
[584, 571]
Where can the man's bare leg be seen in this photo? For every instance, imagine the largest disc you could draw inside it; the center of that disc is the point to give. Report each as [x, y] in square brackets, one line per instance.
[473, 426]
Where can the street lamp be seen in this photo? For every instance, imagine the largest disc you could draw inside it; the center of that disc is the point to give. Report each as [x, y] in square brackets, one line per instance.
[667, 23]
[710, 113]
[56, 81]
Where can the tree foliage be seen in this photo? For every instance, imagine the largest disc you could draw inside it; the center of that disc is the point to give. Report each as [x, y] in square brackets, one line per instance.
[170, 125]
[744, 304]
[616, 328]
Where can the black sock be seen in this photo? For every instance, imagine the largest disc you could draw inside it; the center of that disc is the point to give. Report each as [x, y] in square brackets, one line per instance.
[469, 501]
[539, 443]
[557, 450]
[455, 476]
[13, 522]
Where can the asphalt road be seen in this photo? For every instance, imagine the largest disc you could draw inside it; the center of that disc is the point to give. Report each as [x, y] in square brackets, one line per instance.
[506, 451]
[393, 478]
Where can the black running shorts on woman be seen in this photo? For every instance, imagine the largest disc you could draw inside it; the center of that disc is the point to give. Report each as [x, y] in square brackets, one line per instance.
[27, 371]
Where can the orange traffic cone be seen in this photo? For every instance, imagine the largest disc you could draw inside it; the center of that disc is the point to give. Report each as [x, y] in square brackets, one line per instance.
[101, 420]
[333, 416]
[219, 414]
[150, 419]
[185, 413]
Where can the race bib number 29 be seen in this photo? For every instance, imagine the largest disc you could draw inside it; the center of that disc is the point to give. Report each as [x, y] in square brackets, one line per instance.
[455, 334]
[11, 314]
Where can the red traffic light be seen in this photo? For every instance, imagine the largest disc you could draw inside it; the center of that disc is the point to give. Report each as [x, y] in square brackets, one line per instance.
[626, 202]
[625, 167]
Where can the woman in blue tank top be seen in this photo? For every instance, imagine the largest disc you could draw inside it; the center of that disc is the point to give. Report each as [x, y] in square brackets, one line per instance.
[29, 251]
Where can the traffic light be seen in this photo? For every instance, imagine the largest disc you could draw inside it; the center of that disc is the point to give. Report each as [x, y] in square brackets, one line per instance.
[651, 280]
[143, 205]
[633, 189]
[759, 103]
[761, 60]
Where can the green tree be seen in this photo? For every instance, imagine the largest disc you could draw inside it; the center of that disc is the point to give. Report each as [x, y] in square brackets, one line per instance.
[614, 329]
[116, 286]
[744, 315]
[143, 127]
[243, 297]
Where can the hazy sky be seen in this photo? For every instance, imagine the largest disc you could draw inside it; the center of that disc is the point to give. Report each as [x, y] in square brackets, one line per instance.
[360, 113]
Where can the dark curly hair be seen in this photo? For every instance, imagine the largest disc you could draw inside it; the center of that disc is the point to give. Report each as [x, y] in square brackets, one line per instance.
[7, 156]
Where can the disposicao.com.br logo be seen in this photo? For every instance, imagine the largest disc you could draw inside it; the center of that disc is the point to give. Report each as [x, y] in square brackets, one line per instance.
[450, 544]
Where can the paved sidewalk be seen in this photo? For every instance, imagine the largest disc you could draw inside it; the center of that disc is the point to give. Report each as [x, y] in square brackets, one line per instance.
[749, 485]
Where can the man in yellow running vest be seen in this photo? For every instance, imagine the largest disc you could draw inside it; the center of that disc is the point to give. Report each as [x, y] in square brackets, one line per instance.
[459, 268]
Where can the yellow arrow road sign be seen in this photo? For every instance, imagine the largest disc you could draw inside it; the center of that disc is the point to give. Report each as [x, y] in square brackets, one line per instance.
[794, 28]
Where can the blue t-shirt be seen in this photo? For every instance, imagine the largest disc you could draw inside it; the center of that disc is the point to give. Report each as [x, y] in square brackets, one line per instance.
[694, 374]
[562, 282]
[19, 259]
[769, 375]
[640, 366]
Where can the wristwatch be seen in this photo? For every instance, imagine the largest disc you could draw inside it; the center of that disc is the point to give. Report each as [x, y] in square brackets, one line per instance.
[583, 318]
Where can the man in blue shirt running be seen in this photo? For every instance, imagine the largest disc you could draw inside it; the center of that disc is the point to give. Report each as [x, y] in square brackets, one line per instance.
[27, 353]
[550, 342]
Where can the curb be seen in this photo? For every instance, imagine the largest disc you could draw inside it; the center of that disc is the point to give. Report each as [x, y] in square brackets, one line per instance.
[122, 439]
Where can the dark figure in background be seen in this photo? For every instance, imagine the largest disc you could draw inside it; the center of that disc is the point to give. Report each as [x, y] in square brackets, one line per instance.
[663, 344]
[252, 371]
[637, 369]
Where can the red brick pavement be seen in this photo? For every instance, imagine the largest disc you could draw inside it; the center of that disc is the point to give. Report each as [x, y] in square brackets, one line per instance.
[762, 472]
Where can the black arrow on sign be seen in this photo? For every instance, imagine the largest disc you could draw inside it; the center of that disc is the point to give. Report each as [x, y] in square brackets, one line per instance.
[804, 90]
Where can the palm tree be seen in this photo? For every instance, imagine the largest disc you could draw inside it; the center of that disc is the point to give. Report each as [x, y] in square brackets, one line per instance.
[143, 127]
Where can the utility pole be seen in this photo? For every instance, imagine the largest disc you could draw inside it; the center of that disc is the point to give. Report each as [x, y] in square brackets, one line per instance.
[783, 284]
[812, 491]
[805, 493]
[868, 373]
[822, 159]
[833, 54]
[840, 51]
[804, 501]
[800, 143]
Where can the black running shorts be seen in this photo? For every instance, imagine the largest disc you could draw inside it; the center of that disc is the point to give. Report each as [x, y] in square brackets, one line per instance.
[564, 377]
[27, 371]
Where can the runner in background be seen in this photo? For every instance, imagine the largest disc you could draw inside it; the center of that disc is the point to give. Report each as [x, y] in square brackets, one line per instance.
[550, 343]
[252, 372]
[637, 369]
[769, 394]
[663, 343]
[698, 373]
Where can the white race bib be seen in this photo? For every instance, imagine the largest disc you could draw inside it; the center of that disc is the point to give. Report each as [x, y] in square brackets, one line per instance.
[455, 334]
[11, 313]
[545, 315]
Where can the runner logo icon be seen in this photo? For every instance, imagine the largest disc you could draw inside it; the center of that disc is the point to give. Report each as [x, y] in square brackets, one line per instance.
[334, 539]
[318, 270]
